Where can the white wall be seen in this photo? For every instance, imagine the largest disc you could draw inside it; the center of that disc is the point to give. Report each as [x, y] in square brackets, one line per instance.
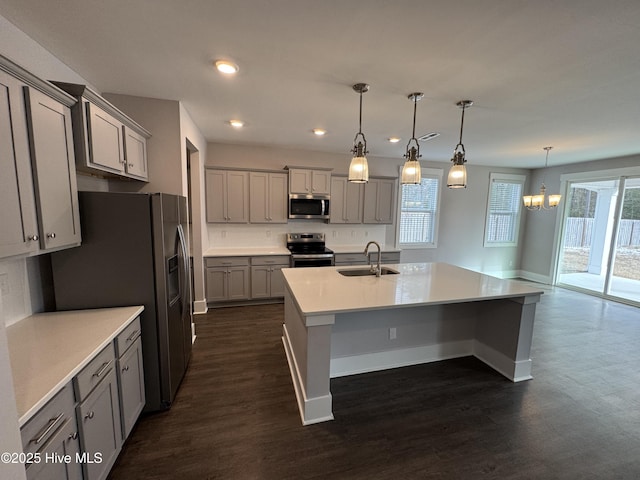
[194, 145]
[165, 154]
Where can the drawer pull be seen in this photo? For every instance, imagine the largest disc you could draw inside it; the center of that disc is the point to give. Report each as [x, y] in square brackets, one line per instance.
[52, 423]
[89, 415]
[133, 335]
[99, 373]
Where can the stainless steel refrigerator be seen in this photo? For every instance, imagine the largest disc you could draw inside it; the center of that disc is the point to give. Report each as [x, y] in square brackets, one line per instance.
[134, 252]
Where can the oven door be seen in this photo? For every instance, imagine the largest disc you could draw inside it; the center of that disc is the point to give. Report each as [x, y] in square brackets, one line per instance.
[312, 261]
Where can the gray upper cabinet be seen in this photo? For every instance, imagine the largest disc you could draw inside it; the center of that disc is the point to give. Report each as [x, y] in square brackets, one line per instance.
[19, 233]
[379, 200]
[267, 197]
[107, 141]
[346, 201]
[135, 154]
[227, 194]
[305, 181]
[38, 190]
[51, 142]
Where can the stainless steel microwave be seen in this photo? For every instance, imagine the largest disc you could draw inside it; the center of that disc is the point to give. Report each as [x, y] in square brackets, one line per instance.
[309, 206]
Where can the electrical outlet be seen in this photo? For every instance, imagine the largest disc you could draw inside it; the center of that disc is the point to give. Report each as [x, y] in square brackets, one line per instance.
[392, 333]
[4, 284]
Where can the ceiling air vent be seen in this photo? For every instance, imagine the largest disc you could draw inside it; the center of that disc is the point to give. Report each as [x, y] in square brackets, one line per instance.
[428, 136]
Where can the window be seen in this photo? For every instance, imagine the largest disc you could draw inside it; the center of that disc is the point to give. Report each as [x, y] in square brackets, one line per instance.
[418, 223]
[503, 210]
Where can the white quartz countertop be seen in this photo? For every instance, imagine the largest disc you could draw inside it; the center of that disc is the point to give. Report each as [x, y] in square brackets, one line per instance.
[48, 349]
[245, 251]
[322, 290]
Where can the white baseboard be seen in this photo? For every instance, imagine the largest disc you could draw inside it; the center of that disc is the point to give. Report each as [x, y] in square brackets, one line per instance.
[535, 277]
[200, 307]
[514, 371]
[371, 362]
[312, 410]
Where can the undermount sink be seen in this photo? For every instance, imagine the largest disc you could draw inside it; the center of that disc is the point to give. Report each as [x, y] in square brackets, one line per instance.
[365, 272]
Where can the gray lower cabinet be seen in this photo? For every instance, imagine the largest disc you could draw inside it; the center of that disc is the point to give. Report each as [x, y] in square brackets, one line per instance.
[227, 278]
[99, 414]
[64, 444]
[53, 431]
[361, 259]
[130, 376]
[267, 280]
[350, 259]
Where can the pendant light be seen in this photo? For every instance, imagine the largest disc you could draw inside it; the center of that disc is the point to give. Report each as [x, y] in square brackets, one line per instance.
[359, 169]
[537, 202]
[411, 174]
[457, 177]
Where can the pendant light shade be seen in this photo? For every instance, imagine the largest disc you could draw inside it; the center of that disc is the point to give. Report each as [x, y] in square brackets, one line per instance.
[537, 202]
[359, 168]
[457, 177]
[411, 173]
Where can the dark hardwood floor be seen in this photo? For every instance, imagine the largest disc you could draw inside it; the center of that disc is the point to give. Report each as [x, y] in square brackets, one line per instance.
[235, 416]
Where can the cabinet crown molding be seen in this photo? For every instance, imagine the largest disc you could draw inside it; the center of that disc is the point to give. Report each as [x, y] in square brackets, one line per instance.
[83, 91]
[30, 79]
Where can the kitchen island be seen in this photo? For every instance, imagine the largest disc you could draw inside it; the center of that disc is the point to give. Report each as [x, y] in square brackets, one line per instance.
[338, 325]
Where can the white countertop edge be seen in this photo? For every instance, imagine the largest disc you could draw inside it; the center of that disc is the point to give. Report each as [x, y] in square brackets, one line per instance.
[320, 313]
[27, 415]
[245, 252]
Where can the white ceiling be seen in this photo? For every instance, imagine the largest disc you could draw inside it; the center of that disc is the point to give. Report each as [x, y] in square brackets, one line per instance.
[564, 73]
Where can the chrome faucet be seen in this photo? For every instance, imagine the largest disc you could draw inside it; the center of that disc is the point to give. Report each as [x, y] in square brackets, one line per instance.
[377, 269]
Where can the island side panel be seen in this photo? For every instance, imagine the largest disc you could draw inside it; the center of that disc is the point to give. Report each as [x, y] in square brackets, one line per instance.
[504, 333]
[308, 350]
[381, 339]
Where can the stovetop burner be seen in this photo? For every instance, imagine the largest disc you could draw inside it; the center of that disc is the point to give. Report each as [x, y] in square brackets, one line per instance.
[307, 244]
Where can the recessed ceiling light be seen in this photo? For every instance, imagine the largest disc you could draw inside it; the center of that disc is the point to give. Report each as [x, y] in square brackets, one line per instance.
[236, 123]
[394, 139]
[225, 66]
[319, 132]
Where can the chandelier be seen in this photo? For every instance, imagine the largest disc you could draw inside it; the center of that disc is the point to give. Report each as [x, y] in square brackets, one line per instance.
[537, 202]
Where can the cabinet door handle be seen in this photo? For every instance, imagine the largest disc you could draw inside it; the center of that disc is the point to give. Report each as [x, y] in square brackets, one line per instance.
[133, 335]
[104, 366]
[73, 436]
[125, 369]
[52, 423]
[33, 238]
[131, 165]
[89, 415]
[51, 235]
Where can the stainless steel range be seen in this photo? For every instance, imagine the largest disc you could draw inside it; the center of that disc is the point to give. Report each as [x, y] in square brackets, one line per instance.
[309, 250]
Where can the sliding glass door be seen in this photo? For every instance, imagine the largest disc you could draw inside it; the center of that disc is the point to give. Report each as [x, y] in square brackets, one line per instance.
[625, 275]
[600, 249]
